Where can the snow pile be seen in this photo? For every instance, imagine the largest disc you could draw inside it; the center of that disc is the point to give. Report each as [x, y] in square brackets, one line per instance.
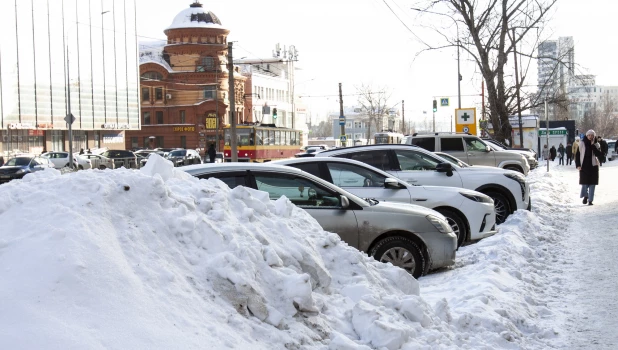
[159, 259]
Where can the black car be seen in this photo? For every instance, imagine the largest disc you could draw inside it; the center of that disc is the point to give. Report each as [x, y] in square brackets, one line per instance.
[182, 157]
[18, 167]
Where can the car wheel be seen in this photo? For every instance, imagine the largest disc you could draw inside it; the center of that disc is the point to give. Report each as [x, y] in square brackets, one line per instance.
[515, 168]
[102, 167]
[401, 252]
[81, 167]
[457, 224]
[502, 205]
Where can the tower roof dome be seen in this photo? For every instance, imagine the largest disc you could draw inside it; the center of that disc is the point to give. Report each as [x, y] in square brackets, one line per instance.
[195, 17]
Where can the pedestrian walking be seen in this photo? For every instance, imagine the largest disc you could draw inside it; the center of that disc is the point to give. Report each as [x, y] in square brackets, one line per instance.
[587, 162]
[212, 152]
[569, 153]
[552, 153]
[561, 154]
[575, 148]
[545, 152]
[604, 149]
[1, 160]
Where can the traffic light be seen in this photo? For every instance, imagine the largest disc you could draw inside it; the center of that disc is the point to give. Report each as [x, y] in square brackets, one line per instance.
[274, 113]
[435, 105]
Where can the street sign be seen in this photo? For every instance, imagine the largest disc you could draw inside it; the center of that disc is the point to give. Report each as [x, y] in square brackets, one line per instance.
[343, 138]
[444, 102]
[342, 120]
[69, 118]
[543, 132]
[465, 120]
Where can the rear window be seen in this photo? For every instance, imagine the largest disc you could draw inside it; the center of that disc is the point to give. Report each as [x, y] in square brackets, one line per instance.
[451, 144]
[428, 143]
[118, 154]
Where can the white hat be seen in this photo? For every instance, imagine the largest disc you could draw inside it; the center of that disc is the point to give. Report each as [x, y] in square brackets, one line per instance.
[577, 138]
[590, 132]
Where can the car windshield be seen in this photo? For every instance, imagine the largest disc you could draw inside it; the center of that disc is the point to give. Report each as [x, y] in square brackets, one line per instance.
[19, 161]
[179, 153]
[453, 160]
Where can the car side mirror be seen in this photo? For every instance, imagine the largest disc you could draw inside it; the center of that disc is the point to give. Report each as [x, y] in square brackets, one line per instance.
[345, 202]
[445, 167]
[487, 149]
[391, 183]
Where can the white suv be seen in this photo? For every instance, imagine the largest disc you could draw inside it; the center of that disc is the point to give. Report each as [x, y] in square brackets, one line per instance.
[417, 166]
[469, 149]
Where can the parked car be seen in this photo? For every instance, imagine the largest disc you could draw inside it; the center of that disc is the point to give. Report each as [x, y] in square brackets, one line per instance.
[121, 158]
[98, 161]
[182, 157]
[61, 160]
[471, 214]
[309, 152]
[18, 167]
[470, 149]
[219, 158]
[166, 150]
[526, 152]
[417, 166]
[412, 237]
[143, 160]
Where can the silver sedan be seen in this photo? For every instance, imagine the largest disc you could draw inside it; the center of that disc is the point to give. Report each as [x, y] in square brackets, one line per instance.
[412, 237]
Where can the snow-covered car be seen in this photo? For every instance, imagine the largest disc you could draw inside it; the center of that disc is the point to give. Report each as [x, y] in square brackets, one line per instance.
[61, 160]
[412, 237]
[417, 166]
[98, 161]
[471, 214]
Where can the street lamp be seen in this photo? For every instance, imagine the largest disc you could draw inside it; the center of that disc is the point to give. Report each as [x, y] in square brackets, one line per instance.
[458, 45]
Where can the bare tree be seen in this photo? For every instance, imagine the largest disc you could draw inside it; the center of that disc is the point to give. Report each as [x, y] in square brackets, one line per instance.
[323, 129]
[489, 28]
[374, 105]
[603, 119]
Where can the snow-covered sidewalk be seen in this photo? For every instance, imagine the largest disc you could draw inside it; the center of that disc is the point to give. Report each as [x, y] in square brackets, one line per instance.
[157, 259]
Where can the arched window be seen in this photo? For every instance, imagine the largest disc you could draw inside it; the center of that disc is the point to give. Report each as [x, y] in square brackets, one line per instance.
[152, 75]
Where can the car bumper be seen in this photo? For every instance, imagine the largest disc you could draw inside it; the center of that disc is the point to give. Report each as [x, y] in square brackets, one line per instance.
[482, 224]
[442, 249]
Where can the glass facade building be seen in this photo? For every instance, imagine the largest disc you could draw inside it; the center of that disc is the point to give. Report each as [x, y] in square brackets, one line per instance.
[67, 56]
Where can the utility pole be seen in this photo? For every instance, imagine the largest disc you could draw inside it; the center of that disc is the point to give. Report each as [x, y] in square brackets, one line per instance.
[69, 118]
[547, 133]
[458, 74]
[521, 133]
[233, 140]
[403, 117]
[343, 144]
[483, 104]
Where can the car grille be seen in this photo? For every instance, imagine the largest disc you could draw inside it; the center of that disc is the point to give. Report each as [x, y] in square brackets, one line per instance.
[8, 171]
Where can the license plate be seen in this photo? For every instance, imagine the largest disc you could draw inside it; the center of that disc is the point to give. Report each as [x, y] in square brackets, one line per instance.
[5, 176]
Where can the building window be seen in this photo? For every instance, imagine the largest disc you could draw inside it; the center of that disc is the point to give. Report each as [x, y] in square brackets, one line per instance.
[159, 115]
[145, 94]
[152, 76]
[159, 142]
[182, 117]
[209, 92]
[183, 142]
[146, 118]
[146, 140]
[134, 143]
[206, 64]
[159, 93]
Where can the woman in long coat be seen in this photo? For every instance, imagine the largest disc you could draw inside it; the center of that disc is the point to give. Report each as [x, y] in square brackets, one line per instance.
[587, 163]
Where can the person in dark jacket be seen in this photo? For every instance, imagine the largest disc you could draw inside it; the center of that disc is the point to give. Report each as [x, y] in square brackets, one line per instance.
[569, 153]
[552, 153]
[212, 152]
[561, 154]
[587, 163]
[604, 149]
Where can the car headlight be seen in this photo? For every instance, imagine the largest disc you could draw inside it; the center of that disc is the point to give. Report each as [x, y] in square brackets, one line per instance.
[20, 171]
[516, 176]
[481, 198]
[439, 224]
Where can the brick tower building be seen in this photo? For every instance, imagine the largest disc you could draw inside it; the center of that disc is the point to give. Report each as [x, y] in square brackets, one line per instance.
[184, 85]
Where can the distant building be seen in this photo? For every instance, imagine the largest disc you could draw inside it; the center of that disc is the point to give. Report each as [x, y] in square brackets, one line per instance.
[556, 67]
[586, 97]
[90, 45]
[184, 91]
[357, 123]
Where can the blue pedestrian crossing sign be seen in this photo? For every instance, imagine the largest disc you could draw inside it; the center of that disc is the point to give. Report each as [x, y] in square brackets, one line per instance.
[343, 138]
[444, 102]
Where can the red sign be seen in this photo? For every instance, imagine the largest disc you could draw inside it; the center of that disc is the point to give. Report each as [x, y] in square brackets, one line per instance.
[36, 133]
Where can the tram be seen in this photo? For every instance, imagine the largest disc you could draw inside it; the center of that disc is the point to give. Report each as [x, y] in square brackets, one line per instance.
[262, 142]
[387, 137]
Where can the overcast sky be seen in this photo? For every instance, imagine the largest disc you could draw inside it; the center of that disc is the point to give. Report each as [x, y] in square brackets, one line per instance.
[363, 42]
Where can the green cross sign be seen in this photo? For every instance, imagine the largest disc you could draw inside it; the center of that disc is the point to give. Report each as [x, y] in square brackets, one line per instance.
[465, 116]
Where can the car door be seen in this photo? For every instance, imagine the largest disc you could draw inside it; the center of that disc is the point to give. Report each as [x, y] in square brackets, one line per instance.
[454, 146]
[322, 203]
[477, 152]
[419, 168]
